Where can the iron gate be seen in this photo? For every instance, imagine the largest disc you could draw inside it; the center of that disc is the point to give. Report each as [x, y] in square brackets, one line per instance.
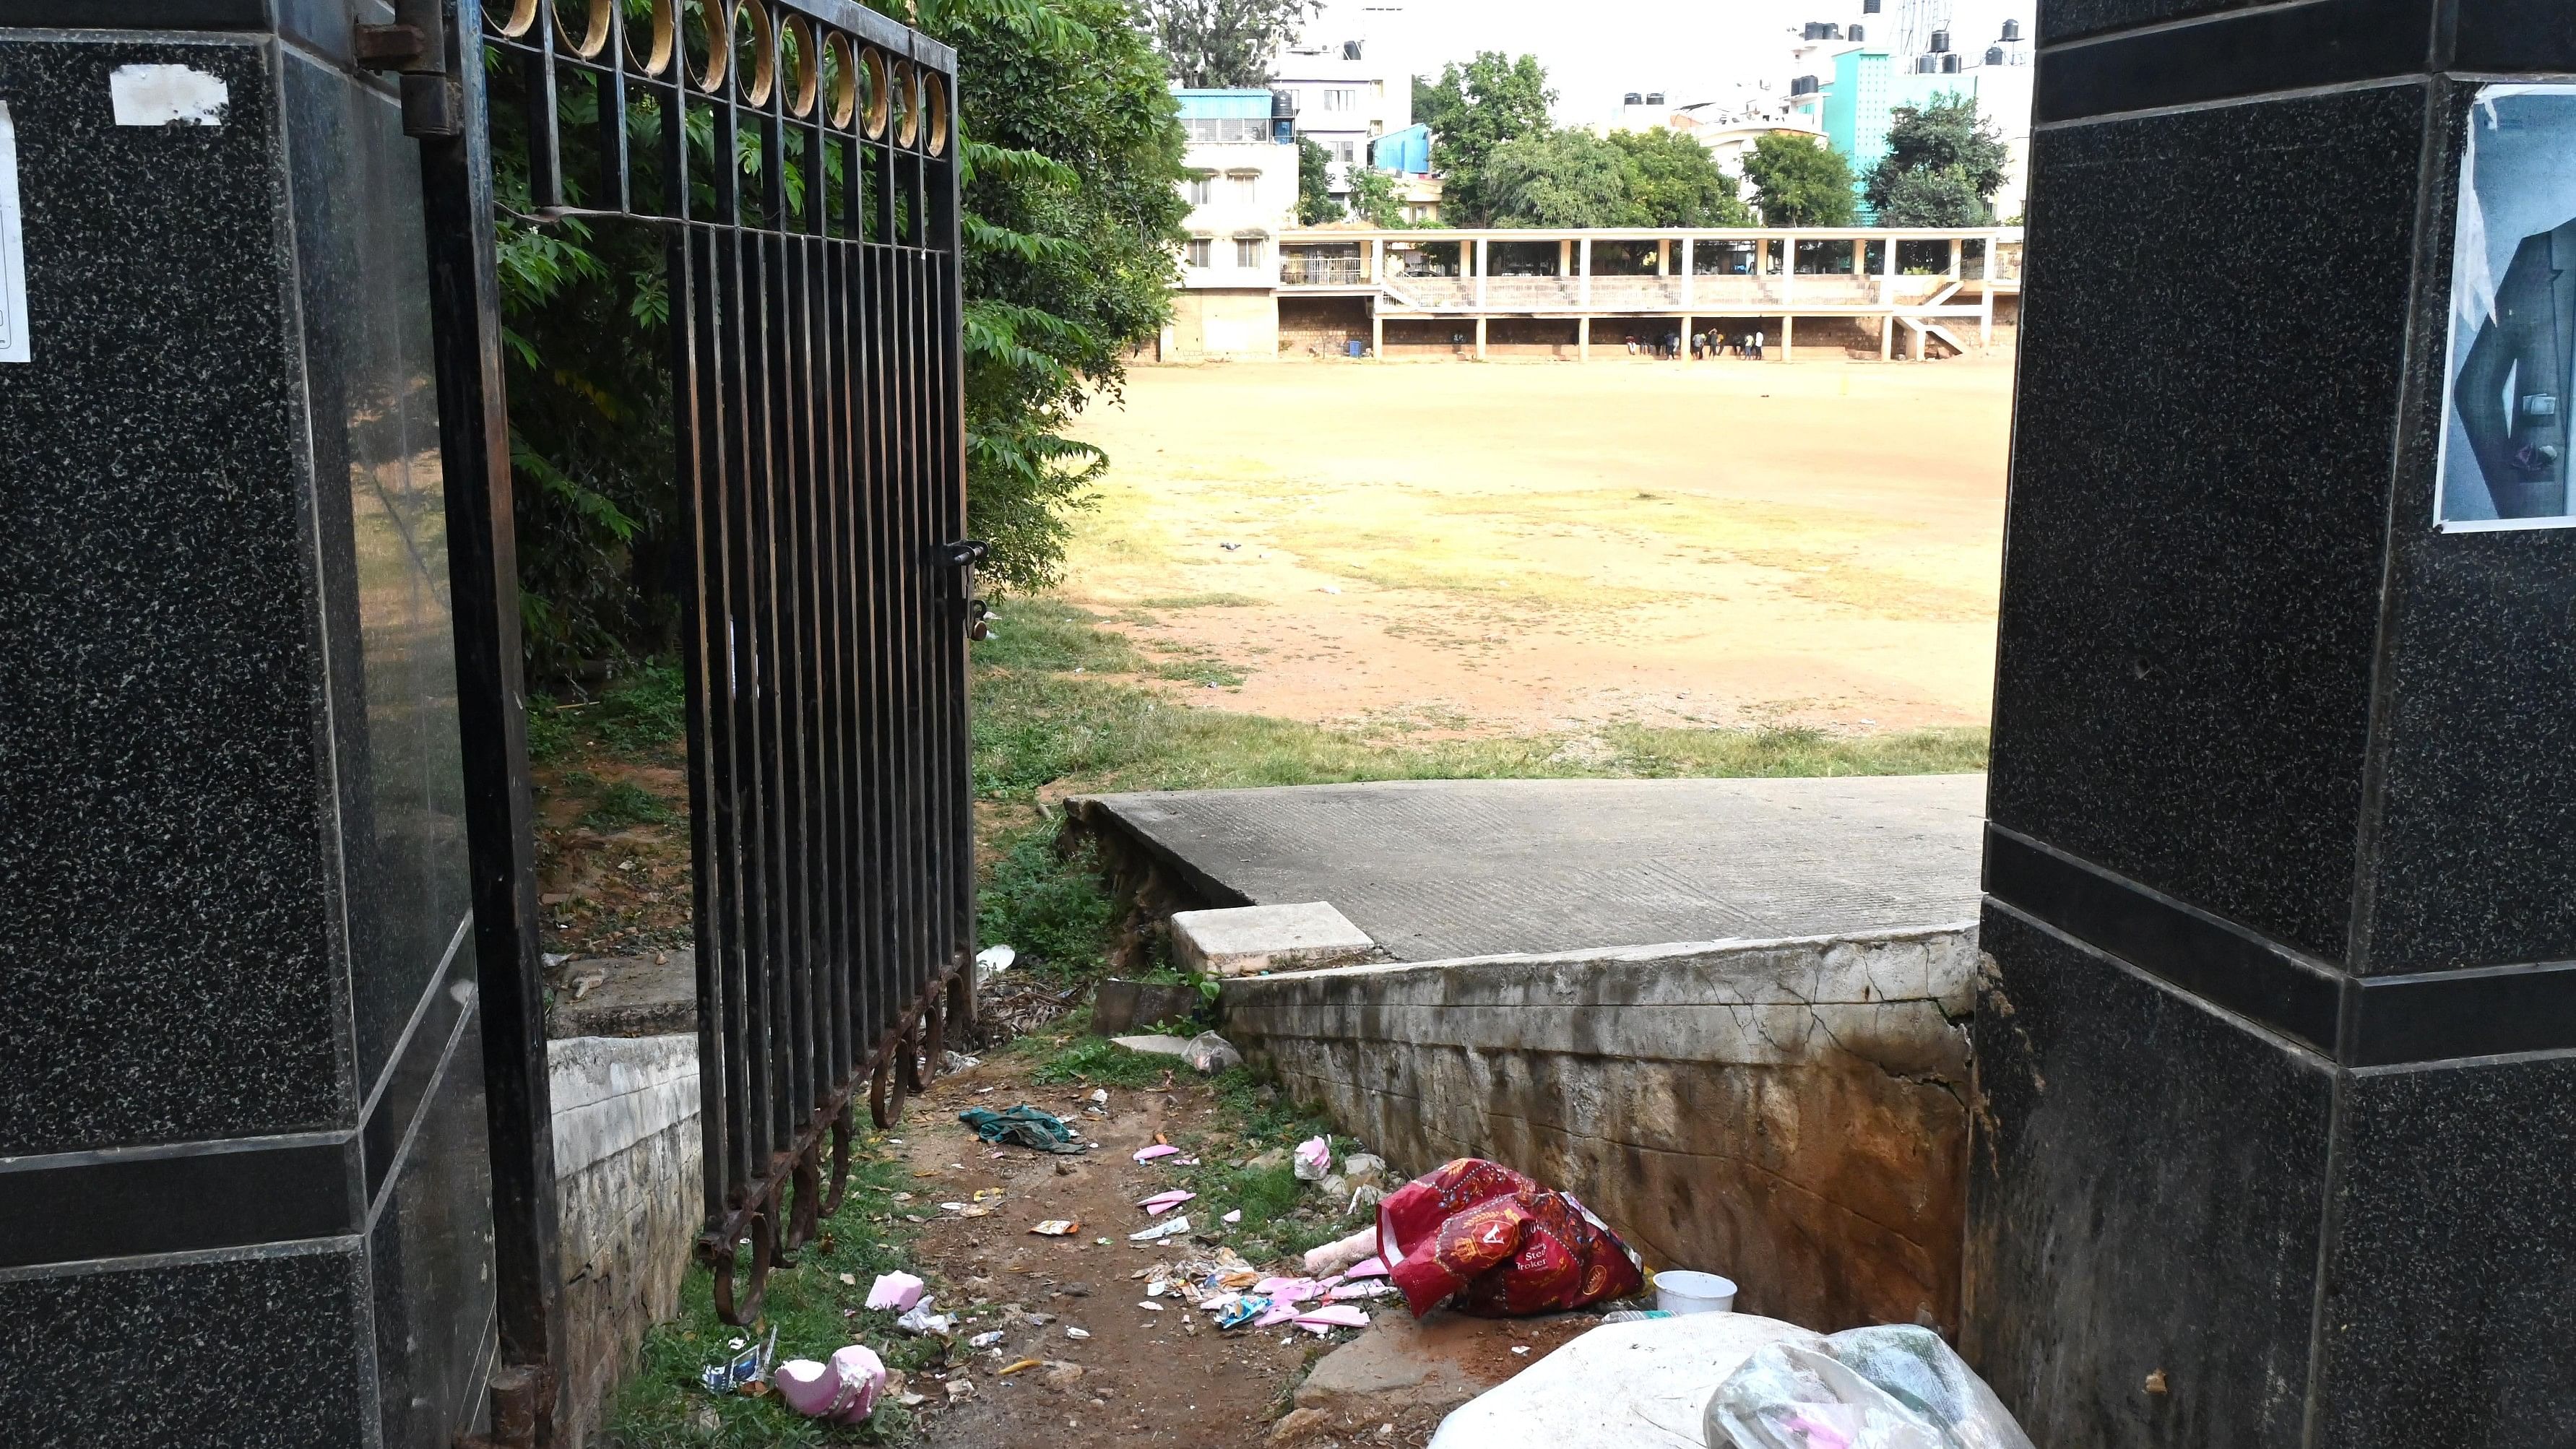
[801, 158]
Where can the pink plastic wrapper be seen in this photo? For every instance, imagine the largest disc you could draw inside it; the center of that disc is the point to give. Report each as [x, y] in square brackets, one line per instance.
[1332, 1316]
[1163, 1202]
[844, 1390]
[898, 1291]
[1367, 1268]
[1159, 1149]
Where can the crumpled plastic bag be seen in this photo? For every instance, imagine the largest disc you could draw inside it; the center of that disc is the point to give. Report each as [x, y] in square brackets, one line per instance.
[843, 1391]
[1499, 1244]
[1896, 1386]
[1021, 1126]
[1314, 1159]
[1210, 1054]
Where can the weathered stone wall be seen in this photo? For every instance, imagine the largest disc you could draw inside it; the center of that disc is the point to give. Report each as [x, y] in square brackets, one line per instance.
[1791, 1114]
[628, 1165]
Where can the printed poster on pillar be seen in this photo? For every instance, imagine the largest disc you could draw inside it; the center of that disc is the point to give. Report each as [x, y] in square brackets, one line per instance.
[2512, 378]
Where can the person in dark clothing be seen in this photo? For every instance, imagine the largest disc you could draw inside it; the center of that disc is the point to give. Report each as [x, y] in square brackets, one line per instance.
[2520, 437]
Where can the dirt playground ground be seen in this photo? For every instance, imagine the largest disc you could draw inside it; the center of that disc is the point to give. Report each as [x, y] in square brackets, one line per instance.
[1512, 547]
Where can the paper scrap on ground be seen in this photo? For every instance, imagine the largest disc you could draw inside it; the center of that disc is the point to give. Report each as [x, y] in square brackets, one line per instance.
[1159, 1149]
[1161, 1230]
[1332, 1316]
[898, 1291]
[1163, 1202]
[1235, 1216]
[1057, 1228]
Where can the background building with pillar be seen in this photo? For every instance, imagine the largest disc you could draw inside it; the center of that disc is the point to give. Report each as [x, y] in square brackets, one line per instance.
[1242, 188]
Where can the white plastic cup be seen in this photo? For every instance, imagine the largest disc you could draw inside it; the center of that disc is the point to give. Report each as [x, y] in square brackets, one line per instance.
[1679, 1291]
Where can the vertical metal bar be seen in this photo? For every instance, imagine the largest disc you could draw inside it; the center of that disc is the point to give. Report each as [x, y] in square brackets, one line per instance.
[952, 453]
[465, 303]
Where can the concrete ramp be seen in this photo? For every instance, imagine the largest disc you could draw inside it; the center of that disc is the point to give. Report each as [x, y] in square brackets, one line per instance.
[1448, 868]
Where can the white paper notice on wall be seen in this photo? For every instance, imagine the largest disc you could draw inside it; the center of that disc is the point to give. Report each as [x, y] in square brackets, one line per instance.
[13, 250]
[167, 95]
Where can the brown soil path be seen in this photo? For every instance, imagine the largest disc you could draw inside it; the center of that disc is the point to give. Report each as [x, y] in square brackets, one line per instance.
[1545, 546]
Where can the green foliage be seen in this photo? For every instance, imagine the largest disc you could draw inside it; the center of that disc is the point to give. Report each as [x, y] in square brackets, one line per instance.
[1049, 906]
[1315, 204]
[1798, 182]
[1944, 164]
[626, 803]
[1375, 199]
[1222, 43]
[1103, 1063]
[1633, 178]
[1673, 181]
[646, 711]
[1474, 111]
[1556, 178]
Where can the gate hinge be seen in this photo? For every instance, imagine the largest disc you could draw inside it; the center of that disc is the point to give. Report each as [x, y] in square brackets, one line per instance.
[964, 552]
[414, 46]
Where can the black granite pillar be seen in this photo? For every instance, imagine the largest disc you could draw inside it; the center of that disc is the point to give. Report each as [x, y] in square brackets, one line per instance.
[2276, 1103]
[244, 1191]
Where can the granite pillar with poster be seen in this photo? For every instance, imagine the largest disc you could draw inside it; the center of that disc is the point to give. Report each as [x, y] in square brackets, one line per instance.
[2277, 1041]
[245, 1187]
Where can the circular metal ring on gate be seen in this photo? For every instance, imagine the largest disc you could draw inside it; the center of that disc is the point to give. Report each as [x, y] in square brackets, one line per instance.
[803, 1213]
[594, 35]
[796, 52]
[934, 105]
[931, 1033]
[907, 103]
[843, 1129]
[880, 92]
[840, 81]
[522, 14]
[764, 1248]
[961, 996]
[886, 1090]
[759, 41]
[662, 36]
[715, 39]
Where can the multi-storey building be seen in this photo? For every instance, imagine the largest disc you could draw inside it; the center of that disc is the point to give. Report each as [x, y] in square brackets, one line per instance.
[1242, 187]
[1345, 88]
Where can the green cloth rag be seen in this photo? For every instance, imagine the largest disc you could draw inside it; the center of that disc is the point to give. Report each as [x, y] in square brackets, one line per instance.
[1021, 1126]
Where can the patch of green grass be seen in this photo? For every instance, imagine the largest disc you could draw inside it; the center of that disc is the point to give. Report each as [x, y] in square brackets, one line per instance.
[1042, 634]
[1211, 672]
[1101, 1062]
[1202, 601]
[1037, 724]
[550, 734]
[1281, 1215]
[1053, 909]
[663, 1406]
[626, 803]
[646, 711]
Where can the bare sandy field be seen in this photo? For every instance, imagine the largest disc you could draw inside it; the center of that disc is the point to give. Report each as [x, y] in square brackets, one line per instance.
[1547, 546]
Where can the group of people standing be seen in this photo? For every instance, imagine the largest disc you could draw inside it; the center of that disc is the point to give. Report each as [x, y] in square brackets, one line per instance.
[1711, 343]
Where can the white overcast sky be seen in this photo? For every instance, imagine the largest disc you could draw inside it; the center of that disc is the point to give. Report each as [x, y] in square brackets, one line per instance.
[1689, 49]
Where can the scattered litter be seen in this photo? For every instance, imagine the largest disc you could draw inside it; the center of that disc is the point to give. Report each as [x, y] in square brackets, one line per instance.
[1159, 1149]
[1100, 1096]
[1366, 1268]
[1244, 1309]
[1362, 1169]
[898, 1291]
[1162, 1230]
[926, 1323]
[844, 1391]
[1235, 1216]
[1314, 1159]
[993, 961]
[959, 1061]
[1072, 1332]
[1149, 1305]
[1331, 1316]
[1893, 1384]
[1210, 1053]
[1229, 547]
[1520, 1348]
[1018, 1366]
[959, 1389]
[1021, 1126]
[1332, 588]
[1058, 1228]
[851, 1279]
[1163, 1202]
[1634, 1315]
[1374, 1288]
[748, 1366]
[985, 1339]
[1061, 1375]
[1278, 1313]
[1289, 1290]
[1542, 1252]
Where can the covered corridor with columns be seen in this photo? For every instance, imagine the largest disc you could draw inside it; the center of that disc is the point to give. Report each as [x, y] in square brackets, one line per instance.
[1917, 289]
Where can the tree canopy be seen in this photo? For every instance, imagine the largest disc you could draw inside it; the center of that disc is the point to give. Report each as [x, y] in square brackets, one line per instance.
[1315, 204]
[1222, 43]
[1474, 110]
[1797, 182]
[1944, 164]
[1375, 199]
[1673, 181]
[1556, 178]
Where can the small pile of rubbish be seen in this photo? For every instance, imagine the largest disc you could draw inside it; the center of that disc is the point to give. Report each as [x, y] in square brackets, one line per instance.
[1024, 1126]
[1240, 1295]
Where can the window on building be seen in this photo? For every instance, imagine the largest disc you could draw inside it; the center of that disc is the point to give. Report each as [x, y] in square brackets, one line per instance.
[1202, 254]
[1342, 99]
[1247, 255]
[1247, 188]
[1202, 190]
[1346, 150]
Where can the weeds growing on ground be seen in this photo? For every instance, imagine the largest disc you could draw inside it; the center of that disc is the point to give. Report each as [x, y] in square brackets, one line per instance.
[627, 803]
[1051, 909]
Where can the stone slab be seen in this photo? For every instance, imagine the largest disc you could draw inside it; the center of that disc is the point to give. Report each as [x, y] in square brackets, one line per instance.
[1247, 940]
[1431, 1364]
[629, 996]
[1449, 868]
[1158, 1045]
